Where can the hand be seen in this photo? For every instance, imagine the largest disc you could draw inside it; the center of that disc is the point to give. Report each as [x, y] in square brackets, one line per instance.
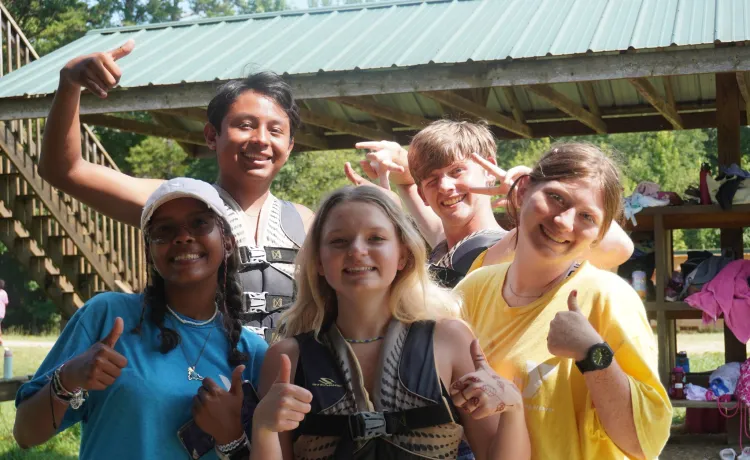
[506, 180]
[98, 367]
[360, 181]
[97, 72]
[285, 405]
[570, 333]
[386, 157]
[483, 393]
[219, 412]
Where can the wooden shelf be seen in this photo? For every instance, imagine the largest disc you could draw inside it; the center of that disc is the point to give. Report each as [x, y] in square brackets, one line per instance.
[673, 310]
[702, 404]
[693, 216]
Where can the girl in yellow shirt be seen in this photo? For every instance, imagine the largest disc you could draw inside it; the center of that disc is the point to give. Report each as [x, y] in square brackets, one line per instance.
[574, 339]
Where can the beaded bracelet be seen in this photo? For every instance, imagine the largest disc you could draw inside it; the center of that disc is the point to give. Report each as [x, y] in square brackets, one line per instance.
[227, 451]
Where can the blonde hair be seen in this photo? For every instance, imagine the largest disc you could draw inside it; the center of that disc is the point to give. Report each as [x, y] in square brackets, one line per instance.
[413, 297]
[444, 142]
[577, 160]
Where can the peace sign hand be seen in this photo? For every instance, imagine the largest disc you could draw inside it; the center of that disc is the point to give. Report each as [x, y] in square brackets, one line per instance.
[384, 159]
[505, 178]
[97, 72]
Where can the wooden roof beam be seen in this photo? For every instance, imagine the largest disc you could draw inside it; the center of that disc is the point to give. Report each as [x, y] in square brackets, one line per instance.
[590, 95]
[457, 102]
[743, 81]
[194, 151]
[649, 93]
[568, 106]
[191, 113]
[311, 140]
[515, 106]
[382, 111]
[134, 126]
[343, 126]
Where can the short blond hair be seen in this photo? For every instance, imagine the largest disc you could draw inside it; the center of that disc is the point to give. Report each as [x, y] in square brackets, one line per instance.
[413, 297]
[444, 142]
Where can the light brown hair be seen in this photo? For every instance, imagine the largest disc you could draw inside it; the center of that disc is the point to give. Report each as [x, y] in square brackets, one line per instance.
[414, 296]
[573, 161]
[444, 142]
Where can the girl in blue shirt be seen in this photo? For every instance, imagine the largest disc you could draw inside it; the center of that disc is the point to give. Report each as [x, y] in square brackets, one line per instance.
[134, 368]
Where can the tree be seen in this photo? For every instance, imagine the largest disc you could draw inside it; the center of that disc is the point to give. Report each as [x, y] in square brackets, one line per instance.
[326, 3]
[157, 158]
[307, 177]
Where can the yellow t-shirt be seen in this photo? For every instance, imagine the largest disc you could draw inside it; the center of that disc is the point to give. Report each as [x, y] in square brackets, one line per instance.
[562, 421]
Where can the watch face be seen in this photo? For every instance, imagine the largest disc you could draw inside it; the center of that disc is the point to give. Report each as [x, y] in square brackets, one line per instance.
[601, 356]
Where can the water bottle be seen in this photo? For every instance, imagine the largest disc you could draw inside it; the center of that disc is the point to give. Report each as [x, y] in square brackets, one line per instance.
[8, 364]
[639, 283]
[682, 360]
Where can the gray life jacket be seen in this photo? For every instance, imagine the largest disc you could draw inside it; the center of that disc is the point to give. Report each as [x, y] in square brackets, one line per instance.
[266, 268]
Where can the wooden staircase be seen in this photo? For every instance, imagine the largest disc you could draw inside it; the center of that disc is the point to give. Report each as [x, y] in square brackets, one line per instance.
[71, 250]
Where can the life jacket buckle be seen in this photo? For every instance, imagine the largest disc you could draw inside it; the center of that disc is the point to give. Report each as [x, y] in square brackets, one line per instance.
[367, 425]
[255, 302]
[252, 256]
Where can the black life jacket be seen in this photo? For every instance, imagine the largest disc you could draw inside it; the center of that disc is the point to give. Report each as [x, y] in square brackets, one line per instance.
[410, 415]
[265, 272]
[462, 258]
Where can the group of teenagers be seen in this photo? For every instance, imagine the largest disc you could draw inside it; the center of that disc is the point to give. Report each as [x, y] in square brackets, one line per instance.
[494, 344]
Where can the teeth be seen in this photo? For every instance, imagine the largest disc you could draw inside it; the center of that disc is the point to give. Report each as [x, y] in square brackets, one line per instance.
[254, 156]
[187, 257]
[359, 269]
[552, 237]
[453, 201]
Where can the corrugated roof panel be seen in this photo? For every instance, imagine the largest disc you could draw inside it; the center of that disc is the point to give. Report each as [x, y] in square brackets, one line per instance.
[397, 34]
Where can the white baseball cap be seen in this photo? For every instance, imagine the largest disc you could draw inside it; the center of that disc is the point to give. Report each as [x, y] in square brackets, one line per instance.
[182, 187]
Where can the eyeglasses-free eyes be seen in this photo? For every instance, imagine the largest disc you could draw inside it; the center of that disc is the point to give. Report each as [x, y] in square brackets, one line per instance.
[166, 232]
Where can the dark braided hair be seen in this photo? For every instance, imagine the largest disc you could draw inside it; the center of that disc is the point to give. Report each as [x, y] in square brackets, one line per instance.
[228, 298]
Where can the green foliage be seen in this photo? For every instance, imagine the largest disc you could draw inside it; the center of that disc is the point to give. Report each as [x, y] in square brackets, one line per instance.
[308, 177]
[325, 3]
[157, 158]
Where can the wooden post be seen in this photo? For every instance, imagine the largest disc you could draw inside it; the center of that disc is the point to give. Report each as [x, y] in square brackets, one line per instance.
[728, 136]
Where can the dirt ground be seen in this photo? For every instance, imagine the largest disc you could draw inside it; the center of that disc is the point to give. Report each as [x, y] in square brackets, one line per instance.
[692, 447]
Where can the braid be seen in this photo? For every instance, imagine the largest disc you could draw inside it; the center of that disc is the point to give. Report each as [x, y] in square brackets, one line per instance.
[229, 298]
[155, 296]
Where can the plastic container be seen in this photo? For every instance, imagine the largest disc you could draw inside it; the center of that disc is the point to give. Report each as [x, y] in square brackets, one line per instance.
[677, 387]
[639, 283]
[682, 360]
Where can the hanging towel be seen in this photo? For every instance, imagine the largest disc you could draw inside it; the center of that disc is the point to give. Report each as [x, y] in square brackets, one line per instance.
[727, 294]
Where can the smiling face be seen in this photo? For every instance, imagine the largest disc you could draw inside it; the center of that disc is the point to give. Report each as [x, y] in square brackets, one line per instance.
[439, 191]
[185, 242]
[360, 251]
[254, 141]
[560, 220]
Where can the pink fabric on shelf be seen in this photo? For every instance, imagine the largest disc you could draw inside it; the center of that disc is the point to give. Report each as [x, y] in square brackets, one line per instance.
[728, 294]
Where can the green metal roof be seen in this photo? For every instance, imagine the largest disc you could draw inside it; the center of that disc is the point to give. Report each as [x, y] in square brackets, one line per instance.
[402, 34]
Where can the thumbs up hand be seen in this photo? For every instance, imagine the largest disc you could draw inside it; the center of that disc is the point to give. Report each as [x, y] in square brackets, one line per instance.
[483, 393]
[218, 412]
[97, 72]
[99, 366]
[285, 404]
[570, 332]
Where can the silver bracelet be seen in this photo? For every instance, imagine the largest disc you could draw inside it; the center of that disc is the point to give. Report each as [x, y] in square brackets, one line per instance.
[75, 398]
[227, 449]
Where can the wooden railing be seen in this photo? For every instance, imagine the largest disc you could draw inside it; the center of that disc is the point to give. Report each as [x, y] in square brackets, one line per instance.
[112, 251]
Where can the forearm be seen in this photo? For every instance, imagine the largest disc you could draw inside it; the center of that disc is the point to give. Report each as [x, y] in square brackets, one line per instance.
[615, 249]
[512, 440]
[428, 222]
[61, 145]
[610, 394]
[265, 445]
[33, 425]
